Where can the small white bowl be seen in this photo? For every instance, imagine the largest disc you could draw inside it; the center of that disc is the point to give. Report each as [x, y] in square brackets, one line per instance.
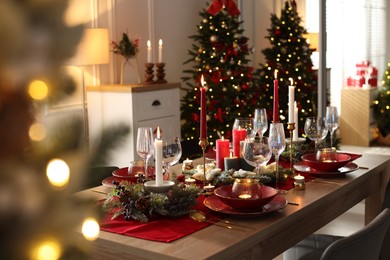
[165, 187]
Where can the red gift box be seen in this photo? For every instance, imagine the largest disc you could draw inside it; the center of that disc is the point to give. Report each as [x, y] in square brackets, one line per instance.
[358, 80]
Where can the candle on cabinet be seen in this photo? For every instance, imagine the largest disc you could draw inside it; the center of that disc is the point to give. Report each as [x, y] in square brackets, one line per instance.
[149, 52]
[203, 126]
[295, 132]
[222, 151]
[160, 48]
[291, 100]
[276, 98]
[158, 157]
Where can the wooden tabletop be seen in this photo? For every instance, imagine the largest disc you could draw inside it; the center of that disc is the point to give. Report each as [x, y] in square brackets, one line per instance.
[322, 201]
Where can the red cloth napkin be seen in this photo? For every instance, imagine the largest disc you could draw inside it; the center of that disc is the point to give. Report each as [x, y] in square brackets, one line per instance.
[161, 229]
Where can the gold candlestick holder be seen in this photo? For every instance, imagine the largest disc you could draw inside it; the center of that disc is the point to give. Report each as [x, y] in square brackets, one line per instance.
[149, 73]
[160, 73]
[203, 144]
[290, 128]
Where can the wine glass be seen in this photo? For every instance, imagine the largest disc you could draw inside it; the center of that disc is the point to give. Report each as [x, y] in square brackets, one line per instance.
[277, 143]
[171, 152]
[257, 152]
[260, 122]
[331, 121]
[315, 129]
[145, 146]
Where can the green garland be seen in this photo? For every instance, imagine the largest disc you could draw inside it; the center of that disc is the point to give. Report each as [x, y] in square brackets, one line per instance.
[135, 202]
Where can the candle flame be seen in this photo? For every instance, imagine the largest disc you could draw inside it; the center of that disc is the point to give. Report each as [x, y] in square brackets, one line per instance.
[160, 42]
[291, 81]
[276, 74]
[222, 138]
[148, 44]
[202, 82]
[158, 132]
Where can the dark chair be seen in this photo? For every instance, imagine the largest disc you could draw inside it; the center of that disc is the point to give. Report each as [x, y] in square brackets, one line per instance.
[364, 244]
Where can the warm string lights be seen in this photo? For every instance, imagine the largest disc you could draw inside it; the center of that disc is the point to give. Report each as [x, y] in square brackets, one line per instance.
[219, 53]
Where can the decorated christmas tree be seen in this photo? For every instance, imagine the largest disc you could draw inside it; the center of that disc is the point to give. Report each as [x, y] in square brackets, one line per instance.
[382, 108]
[219, 53]
[289, 54]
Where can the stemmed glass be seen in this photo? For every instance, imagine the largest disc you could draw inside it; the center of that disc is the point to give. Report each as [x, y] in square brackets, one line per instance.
[315, 129]
[257, 152]
[260, 122]
[171, 152]
[277, 143]
[331, 121]
[145, 146]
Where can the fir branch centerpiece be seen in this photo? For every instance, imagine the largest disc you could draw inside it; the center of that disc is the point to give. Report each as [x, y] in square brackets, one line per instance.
[135, 202]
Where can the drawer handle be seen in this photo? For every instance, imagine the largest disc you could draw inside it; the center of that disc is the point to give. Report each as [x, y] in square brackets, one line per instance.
[156, 103]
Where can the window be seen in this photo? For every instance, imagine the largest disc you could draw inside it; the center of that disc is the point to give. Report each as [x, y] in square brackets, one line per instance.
[356, 31]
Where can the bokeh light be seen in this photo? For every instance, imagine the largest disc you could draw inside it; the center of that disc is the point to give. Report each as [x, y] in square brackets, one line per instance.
[38, 90]
[47, 250]
[90, 229]
[37, 132]
[57, 172]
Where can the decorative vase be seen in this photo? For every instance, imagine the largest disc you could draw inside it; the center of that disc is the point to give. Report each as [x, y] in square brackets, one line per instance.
[129, 71]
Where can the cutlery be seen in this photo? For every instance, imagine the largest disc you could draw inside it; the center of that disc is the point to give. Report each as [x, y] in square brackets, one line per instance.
[201, 217]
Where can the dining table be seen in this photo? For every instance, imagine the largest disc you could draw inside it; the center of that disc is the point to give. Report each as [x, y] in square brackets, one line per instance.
[267, 235]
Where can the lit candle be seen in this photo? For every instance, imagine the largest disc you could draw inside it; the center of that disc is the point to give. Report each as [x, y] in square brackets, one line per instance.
[160, 43]
[149, 49]
[291, 100]
[222, 151]
[299, 182]
[276, 98]
[158, 157]
[245, 196]
[231, 162]
[238, 135]
[187, 165]
[203, 126]
[295, 133]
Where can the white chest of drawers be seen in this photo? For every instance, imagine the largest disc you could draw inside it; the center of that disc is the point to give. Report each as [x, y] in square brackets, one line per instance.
[135, 105]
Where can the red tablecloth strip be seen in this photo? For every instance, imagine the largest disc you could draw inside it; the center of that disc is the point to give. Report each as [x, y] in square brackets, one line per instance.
[161, 229]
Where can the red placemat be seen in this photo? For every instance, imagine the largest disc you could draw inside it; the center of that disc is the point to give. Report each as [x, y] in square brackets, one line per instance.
[161, 229]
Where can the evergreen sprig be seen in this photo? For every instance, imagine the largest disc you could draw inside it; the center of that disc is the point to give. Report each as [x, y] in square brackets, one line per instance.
[135, 202]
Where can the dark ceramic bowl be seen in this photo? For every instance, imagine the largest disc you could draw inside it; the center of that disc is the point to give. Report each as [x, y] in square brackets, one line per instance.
[326, 166]
[265, 195]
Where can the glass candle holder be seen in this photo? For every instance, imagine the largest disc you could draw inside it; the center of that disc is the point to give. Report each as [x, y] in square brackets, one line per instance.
[246, 189]
[299, 182]
[326, 155]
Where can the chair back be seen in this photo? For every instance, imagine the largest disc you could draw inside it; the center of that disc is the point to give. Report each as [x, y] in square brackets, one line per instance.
[364, 244]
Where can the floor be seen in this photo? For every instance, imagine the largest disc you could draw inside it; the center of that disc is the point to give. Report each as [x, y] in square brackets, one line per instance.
[352, 220]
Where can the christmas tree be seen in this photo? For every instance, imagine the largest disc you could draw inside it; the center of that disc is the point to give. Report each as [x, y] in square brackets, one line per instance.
[382, 106]
[219, 54]
[289, 54]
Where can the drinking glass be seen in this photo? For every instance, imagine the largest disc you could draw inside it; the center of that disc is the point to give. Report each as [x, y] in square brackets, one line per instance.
[315, 129]
[257, 152]
[277, 143]
[331, 121]
[171, 152]
[260, 122]
[145, 145]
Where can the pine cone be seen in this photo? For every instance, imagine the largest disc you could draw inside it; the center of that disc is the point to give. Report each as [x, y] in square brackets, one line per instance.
[143, 203]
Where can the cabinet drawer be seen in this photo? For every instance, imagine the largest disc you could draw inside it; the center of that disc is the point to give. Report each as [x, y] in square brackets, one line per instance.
[156, 104]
